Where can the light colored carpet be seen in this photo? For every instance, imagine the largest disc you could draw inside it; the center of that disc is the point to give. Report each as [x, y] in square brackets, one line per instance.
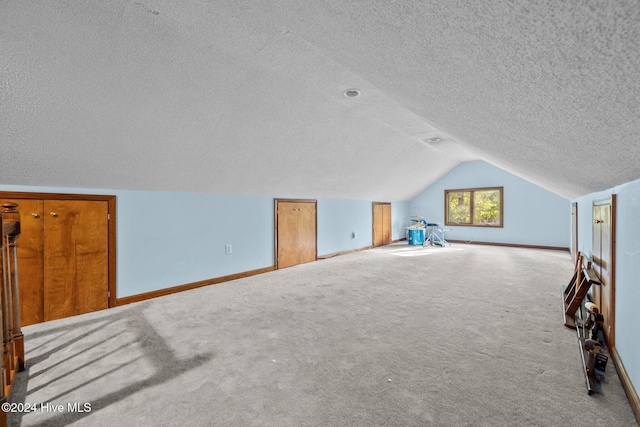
[396, 336]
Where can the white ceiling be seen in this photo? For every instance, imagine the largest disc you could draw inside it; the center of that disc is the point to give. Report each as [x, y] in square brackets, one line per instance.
[246, 97]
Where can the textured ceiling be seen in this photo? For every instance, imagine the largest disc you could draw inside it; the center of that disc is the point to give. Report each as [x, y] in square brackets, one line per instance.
[246, 97]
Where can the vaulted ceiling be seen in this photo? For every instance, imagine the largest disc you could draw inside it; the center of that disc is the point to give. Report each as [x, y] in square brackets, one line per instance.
[247, 97]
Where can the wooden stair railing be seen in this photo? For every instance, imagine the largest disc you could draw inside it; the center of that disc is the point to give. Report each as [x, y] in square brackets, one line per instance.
[13, 339]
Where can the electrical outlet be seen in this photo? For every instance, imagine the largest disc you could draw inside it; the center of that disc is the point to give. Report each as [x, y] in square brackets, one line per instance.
[228, 249]
[353, 235]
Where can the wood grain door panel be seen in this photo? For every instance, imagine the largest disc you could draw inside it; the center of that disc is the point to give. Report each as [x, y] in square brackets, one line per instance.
[386, 223]
[381, 224]
[378, 225]
[66, 261]
[295, 232]
[75, 257]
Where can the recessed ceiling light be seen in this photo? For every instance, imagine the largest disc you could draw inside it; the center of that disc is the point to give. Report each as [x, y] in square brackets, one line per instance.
[434, 139]
[351, 93]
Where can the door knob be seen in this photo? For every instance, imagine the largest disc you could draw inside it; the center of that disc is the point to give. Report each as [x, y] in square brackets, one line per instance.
[599, 221]
[53, 214]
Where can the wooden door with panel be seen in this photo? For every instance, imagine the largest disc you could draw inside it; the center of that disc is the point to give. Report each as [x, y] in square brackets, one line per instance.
[386, 223]
[604, 262]
[378, 221]
[381, 218]
[76, 267]
[296, 232]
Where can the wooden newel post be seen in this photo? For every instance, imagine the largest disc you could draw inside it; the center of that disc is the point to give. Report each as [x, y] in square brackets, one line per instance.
[11, 215]
[3, 370]
[12, 337]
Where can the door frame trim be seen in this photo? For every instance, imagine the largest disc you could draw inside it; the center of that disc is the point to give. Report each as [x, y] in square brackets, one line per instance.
[275, 225]
[111, 234]
[574, 231]
[610, 201]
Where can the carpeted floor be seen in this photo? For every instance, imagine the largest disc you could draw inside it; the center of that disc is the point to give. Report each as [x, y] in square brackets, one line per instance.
[396, 336]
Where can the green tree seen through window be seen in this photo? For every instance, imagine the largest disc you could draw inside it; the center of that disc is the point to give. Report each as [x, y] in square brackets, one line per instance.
[479, 207]
[486, 207]
[460, 207]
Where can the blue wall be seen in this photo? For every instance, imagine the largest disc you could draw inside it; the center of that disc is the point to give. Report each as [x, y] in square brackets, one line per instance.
[167, 239]
[338, 219]
[627, 268]
[532, 215]
[400, 218]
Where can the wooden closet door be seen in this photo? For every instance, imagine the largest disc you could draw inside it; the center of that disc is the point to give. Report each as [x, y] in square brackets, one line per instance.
[377, 225]
[75, 257]
[386, 223]
[381, 224]
[30, 260]
[296, 229]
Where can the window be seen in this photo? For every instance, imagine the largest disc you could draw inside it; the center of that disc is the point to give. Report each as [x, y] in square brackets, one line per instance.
[477, 207]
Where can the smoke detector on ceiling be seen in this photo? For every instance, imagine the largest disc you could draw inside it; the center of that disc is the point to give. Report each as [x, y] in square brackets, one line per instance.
[351, 93]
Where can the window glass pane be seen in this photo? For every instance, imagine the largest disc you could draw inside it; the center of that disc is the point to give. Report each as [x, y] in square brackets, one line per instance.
[460, 207]
[486, 207]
